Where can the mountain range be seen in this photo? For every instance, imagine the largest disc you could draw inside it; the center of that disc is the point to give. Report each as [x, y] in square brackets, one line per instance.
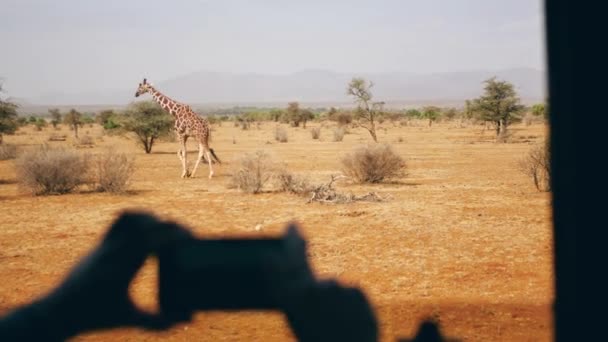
[310, 86]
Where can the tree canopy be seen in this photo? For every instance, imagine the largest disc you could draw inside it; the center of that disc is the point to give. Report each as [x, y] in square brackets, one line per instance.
[148, 121]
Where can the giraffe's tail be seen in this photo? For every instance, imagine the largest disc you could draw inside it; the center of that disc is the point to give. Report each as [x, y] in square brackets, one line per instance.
[214, 156]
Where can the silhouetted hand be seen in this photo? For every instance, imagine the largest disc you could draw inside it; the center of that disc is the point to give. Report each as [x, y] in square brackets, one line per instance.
[330, 312]
[95, 293]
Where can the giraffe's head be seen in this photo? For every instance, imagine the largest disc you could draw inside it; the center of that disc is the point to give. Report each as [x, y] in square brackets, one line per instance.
[143, 88]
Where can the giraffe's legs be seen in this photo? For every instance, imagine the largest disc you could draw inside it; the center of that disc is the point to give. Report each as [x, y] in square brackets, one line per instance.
[182, 153]
[209, 161]
[203, 154]
[201, 149]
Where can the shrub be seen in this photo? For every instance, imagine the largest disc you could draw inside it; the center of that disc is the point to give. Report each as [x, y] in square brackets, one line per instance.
[537, 165]
[52, 171]
[280, 135]
[57, 137]
[339, 133]
[254, 170]
[315, 132]
[113, 171]
[85, 141]
[343, 118]
[373, 164]
[288, 182]
[8, 151]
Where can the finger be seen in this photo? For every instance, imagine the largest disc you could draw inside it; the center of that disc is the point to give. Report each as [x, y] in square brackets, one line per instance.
[165, 234]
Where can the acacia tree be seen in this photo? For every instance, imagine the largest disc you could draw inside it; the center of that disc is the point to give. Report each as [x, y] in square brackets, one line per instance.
[55, 117]
[293, 113]
[148, 121]
[8, 117]
[499, 105]
[367, 111]
[431, 113]
[73, 119]
[306, 115]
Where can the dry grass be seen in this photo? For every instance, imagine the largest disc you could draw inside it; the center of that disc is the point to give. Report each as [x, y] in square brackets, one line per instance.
[315, 133]
[253, 172]
[537, 165]
[465, 237]
[113, 171]
[373, 164]
[288, 182]
[280, 135]
[339, 133]
[8, 151]
[46, 171]
[85, 141]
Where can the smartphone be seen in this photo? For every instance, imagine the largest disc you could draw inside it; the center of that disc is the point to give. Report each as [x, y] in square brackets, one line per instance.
[232, 274]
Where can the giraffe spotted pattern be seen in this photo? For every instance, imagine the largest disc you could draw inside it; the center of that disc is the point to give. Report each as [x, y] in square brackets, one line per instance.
[187, 124]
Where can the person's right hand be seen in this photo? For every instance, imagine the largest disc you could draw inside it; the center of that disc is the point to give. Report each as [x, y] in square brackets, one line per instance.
[330, 312]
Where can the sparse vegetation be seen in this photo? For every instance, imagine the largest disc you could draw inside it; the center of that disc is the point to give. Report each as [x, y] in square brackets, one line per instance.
[339, 133]
[315, 132]
[288, 182]
[47, 170]
[280, 135]
[8, 151]
[55, 117]
[74, 120]
[113, 171]
[148, 121]
[537, 165]
[367, 111]
[499, 105]
[252, 172]
[373, 164]
[8, 117]
[431, 113]
[85, 141]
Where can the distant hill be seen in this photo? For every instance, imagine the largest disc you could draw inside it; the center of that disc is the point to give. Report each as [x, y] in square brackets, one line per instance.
[313, 86]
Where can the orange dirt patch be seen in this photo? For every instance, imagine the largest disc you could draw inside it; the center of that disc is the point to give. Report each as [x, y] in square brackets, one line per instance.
[464, 238]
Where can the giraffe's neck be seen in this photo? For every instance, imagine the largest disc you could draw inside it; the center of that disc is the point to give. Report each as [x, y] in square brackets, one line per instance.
[164, 101]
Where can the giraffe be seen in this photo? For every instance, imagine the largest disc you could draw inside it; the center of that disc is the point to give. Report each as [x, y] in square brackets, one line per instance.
[187, 124]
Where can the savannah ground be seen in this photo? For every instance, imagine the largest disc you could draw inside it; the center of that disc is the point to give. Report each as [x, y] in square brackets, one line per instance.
[464, 238]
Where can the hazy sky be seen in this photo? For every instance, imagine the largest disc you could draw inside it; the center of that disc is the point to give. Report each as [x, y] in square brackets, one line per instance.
[82, 45]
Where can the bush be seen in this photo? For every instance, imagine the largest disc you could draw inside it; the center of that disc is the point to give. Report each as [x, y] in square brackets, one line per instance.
[8, 151]
[85, 141]
[52, 171]
[280, 135]
[315, 132]
[254, 170]
[373, 164]
[537, 165]
[113, 171]
[339, 133]
[288, 182]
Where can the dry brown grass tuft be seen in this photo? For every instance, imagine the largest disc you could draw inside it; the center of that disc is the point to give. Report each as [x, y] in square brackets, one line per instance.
[373, 164]
[113, 171]
[85, 141]
[537, 165]
[288, 182]
[8, 151]
[52, 171]
[339, 133]
[253, 171]
[280, 135]
[315, 132]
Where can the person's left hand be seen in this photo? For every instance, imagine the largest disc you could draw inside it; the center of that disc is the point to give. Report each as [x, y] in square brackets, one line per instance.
[95, 293]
